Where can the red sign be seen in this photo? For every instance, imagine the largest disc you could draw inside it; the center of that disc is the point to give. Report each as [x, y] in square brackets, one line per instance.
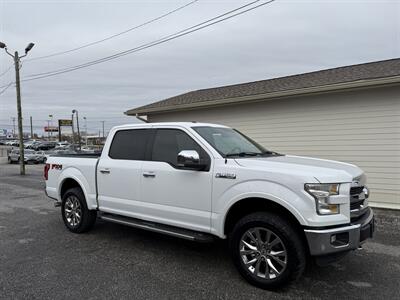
[50, 129]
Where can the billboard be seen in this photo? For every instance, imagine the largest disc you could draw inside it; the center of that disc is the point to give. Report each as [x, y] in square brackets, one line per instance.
[65, 122]
[50, 129]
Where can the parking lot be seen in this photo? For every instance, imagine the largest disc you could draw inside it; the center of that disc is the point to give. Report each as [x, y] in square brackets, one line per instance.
[40, 259]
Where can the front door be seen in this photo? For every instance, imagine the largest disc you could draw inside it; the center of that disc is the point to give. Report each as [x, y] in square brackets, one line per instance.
[176, 196]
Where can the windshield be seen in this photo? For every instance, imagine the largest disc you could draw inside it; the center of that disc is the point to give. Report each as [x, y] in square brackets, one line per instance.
[29, 151]
[229, 142]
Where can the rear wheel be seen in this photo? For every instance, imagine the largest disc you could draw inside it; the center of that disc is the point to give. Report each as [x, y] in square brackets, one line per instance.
[267, 250]
[75, 213]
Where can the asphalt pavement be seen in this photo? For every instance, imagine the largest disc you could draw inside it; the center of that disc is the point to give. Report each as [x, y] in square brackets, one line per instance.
[40, 259]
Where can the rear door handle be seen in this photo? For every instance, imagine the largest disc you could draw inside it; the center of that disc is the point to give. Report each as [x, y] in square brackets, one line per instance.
[105, 171]
[149, 174]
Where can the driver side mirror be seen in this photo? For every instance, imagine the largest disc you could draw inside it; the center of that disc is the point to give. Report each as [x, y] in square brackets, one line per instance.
[190, 159]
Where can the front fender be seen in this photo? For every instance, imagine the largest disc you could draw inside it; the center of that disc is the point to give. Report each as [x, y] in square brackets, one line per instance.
[263, 189]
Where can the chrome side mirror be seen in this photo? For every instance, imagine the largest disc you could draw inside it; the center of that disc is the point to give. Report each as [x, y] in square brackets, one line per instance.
[189, 159]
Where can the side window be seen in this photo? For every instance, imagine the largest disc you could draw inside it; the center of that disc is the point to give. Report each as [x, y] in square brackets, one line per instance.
[130, 144]
[169, 142]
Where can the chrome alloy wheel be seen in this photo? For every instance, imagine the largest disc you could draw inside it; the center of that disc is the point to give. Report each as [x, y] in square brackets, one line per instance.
[73, 211]
[263, 253]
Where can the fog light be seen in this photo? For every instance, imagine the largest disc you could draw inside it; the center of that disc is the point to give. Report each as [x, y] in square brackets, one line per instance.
[340, 239]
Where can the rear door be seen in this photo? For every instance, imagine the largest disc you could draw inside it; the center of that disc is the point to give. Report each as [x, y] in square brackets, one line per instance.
[173, 195]
[119, 172]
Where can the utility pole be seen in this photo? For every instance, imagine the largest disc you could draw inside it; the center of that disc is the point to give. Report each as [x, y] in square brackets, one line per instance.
[73, 131]
[13, 120]
[48, 130]
[51, 125]
[77, 126]
[103, 127]
[85, 130]
[31, 127]
[17, 60]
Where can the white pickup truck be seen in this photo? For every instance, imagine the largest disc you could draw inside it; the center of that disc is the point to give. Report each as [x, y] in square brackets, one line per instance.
[202, 181]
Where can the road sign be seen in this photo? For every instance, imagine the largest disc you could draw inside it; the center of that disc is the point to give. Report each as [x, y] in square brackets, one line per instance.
[65, 122]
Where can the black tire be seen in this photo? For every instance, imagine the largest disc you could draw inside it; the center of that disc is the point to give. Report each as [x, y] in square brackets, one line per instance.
[88, 217]
[290, 240]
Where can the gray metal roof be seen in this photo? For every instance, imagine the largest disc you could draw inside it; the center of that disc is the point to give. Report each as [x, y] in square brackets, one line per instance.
[347, 74]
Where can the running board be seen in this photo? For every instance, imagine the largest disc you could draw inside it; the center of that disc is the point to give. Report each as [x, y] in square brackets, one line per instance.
[160, 228]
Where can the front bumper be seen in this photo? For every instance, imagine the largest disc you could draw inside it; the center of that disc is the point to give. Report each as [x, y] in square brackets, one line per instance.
[340, 239]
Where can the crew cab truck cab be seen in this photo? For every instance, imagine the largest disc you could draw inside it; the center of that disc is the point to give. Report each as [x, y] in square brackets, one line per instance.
[202, 181]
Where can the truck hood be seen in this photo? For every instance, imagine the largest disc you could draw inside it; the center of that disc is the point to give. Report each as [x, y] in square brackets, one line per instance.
[325, 171]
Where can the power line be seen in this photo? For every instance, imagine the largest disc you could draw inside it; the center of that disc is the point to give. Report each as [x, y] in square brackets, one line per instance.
[8, 69]
[153, 43]
[114, 35]
[6, 87]
[165, 39]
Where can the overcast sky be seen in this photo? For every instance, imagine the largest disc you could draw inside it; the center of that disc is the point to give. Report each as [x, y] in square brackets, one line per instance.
[281, 38]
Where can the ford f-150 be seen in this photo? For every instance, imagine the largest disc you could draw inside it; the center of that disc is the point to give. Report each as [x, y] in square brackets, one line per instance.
[201, 181]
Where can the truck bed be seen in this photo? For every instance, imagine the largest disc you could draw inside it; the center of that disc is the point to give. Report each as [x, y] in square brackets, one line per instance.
[78, 155]
[81, 167]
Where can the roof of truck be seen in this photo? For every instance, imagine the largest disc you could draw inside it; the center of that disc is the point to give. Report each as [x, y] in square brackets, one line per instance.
[163, 124]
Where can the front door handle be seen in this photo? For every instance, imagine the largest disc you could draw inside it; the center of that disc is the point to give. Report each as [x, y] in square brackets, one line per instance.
[105, 171]
[149, 174]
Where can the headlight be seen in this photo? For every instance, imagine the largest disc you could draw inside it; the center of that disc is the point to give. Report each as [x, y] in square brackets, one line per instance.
[321, 193]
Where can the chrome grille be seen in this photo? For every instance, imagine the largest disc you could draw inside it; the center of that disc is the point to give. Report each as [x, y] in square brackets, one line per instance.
[358, 199]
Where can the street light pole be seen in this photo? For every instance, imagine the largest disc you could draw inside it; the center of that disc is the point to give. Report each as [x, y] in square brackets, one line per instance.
[85, 130]
[77, 125]
[19, 111]
[73, 131]
[17, 60]
[13, 120]
[103, 127]
[31, 127]
[48, 130]
[51, 125]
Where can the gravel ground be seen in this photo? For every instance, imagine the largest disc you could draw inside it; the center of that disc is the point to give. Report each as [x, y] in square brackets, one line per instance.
[40, 259]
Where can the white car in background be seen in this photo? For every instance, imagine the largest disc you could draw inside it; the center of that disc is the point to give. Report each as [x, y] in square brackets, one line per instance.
[30, 156]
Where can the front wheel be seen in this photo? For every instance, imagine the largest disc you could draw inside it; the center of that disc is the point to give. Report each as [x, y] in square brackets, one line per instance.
[75, 213]
[267, 251]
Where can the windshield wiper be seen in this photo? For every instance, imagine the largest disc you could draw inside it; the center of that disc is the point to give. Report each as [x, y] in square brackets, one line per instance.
[248, 153]
[270, 153]
[242, 154]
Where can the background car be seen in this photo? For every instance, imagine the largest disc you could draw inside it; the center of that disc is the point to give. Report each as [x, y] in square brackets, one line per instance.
[41, 156]
[62, 144]
[30, 156]
[13, 156]
[45, 146]
[32, 145]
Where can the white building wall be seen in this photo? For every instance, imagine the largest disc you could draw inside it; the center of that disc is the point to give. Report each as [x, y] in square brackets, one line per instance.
[360, 127]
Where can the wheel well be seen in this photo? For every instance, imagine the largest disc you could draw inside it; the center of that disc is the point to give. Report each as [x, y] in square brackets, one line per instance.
[68, 183]
[251, 205]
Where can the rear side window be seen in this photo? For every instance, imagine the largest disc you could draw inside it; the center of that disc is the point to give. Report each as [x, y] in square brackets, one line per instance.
[169, 142]
[130, 144]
